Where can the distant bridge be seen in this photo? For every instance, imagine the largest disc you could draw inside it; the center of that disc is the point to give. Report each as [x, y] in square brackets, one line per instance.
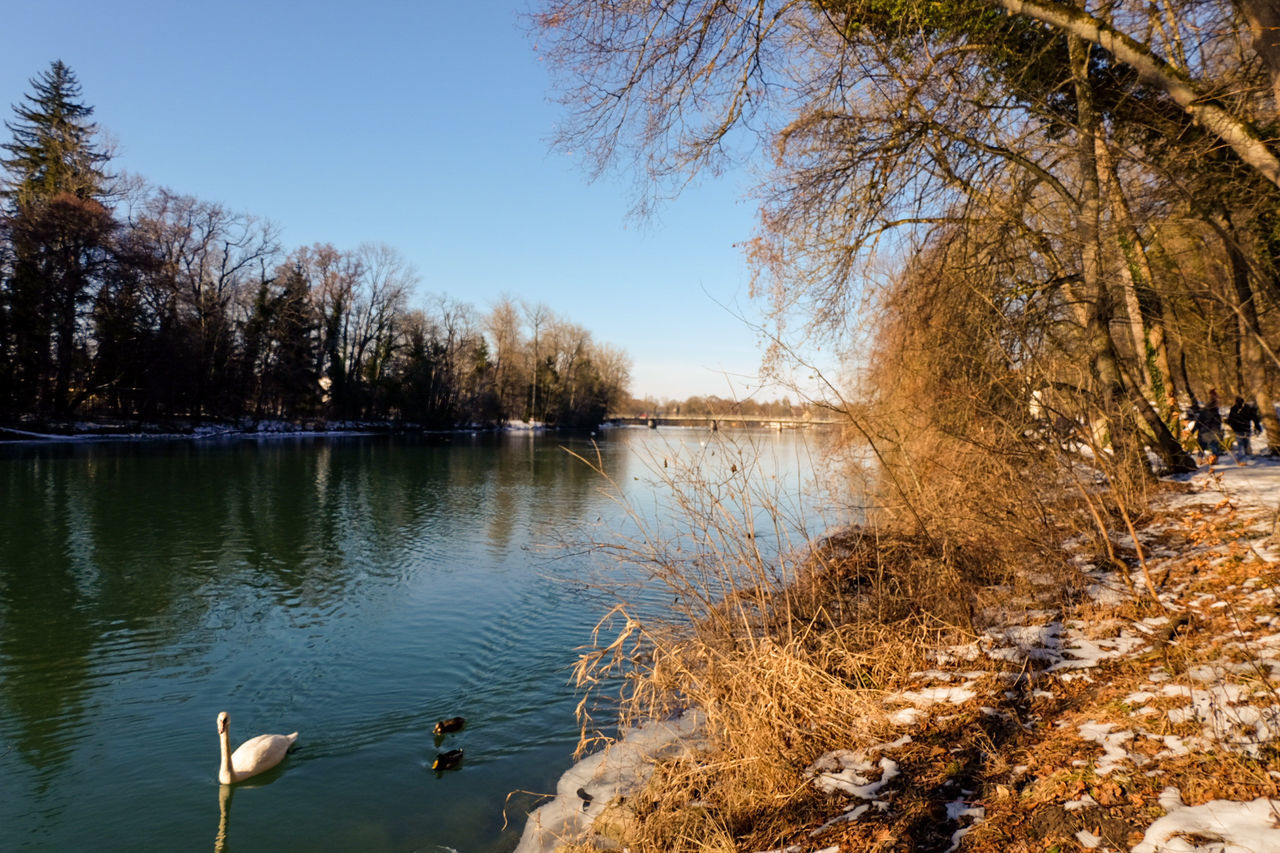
[715, 422]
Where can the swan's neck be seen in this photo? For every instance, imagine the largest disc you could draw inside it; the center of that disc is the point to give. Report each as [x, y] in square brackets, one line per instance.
[225, 774]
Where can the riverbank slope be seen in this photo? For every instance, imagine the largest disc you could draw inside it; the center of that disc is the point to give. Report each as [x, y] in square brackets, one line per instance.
[1116, 710]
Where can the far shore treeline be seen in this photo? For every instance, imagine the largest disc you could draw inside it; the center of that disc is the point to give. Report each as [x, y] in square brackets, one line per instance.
[118, 299]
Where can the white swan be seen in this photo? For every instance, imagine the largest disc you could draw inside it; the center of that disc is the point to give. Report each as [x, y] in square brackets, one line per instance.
[253, 756]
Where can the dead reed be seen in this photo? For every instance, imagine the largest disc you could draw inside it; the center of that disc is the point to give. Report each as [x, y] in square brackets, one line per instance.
[786, 641]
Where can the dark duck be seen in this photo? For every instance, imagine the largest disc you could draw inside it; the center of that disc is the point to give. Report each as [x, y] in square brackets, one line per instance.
[447, 760]
[453, 724]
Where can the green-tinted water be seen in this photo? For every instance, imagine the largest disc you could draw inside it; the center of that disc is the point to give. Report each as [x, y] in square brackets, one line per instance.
[354, 589]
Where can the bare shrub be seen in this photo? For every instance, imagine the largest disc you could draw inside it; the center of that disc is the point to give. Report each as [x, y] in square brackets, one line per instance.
[786, 642]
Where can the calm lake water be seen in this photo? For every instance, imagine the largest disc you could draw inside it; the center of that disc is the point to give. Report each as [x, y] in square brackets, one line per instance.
[354, 589]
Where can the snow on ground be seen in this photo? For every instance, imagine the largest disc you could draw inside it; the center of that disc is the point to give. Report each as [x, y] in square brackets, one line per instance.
[1218, 825]
[256, 428]
[613, 773]
[847, 772]
[247, 428]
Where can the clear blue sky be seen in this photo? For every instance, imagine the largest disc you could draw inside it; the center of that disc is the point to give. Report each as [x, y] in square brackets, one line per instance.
[424, 125]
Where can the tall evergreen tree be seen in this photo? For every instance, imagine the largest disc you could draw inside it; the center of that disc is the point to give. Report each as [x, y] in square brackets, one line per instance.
[54, 186]
[53, 150]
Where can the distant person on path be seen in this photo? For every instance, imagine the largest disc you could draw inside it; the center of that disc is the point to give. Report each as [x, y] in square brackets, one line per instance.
[1240, 419]
[1255, 416]
[1208, 421]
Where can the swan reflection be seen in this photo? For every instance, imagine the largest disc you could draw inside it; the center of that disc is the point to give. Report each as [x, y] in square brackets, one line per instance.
[225, 792]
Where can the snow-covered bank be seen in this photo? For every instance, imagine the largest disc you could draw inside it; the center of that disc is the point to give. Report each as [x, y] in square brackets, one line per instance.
[244, 428]
[606, 777]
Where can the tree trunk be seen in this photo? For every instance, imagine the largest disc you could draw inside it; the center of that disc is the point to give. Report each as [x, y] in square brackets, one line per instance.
[1117, 400]
[1264, 24]
[1097, 299]
[1243, 138]
[1143, 303]
[1252, 360]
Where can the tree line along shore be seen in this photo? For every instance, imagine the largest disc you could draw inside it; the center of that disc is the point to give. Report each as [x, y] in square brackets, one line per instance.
[119, 300]
[126, 304]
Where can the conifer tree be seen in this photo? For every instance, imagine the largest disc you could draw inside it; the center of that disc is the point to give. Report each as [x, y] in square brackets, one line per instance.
[53, 148]
[53, 188]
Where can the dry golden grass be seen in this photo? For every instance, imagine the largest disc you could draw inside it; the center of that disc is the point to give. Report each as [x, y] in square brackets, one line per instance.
[792, 655]
[786, 655]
